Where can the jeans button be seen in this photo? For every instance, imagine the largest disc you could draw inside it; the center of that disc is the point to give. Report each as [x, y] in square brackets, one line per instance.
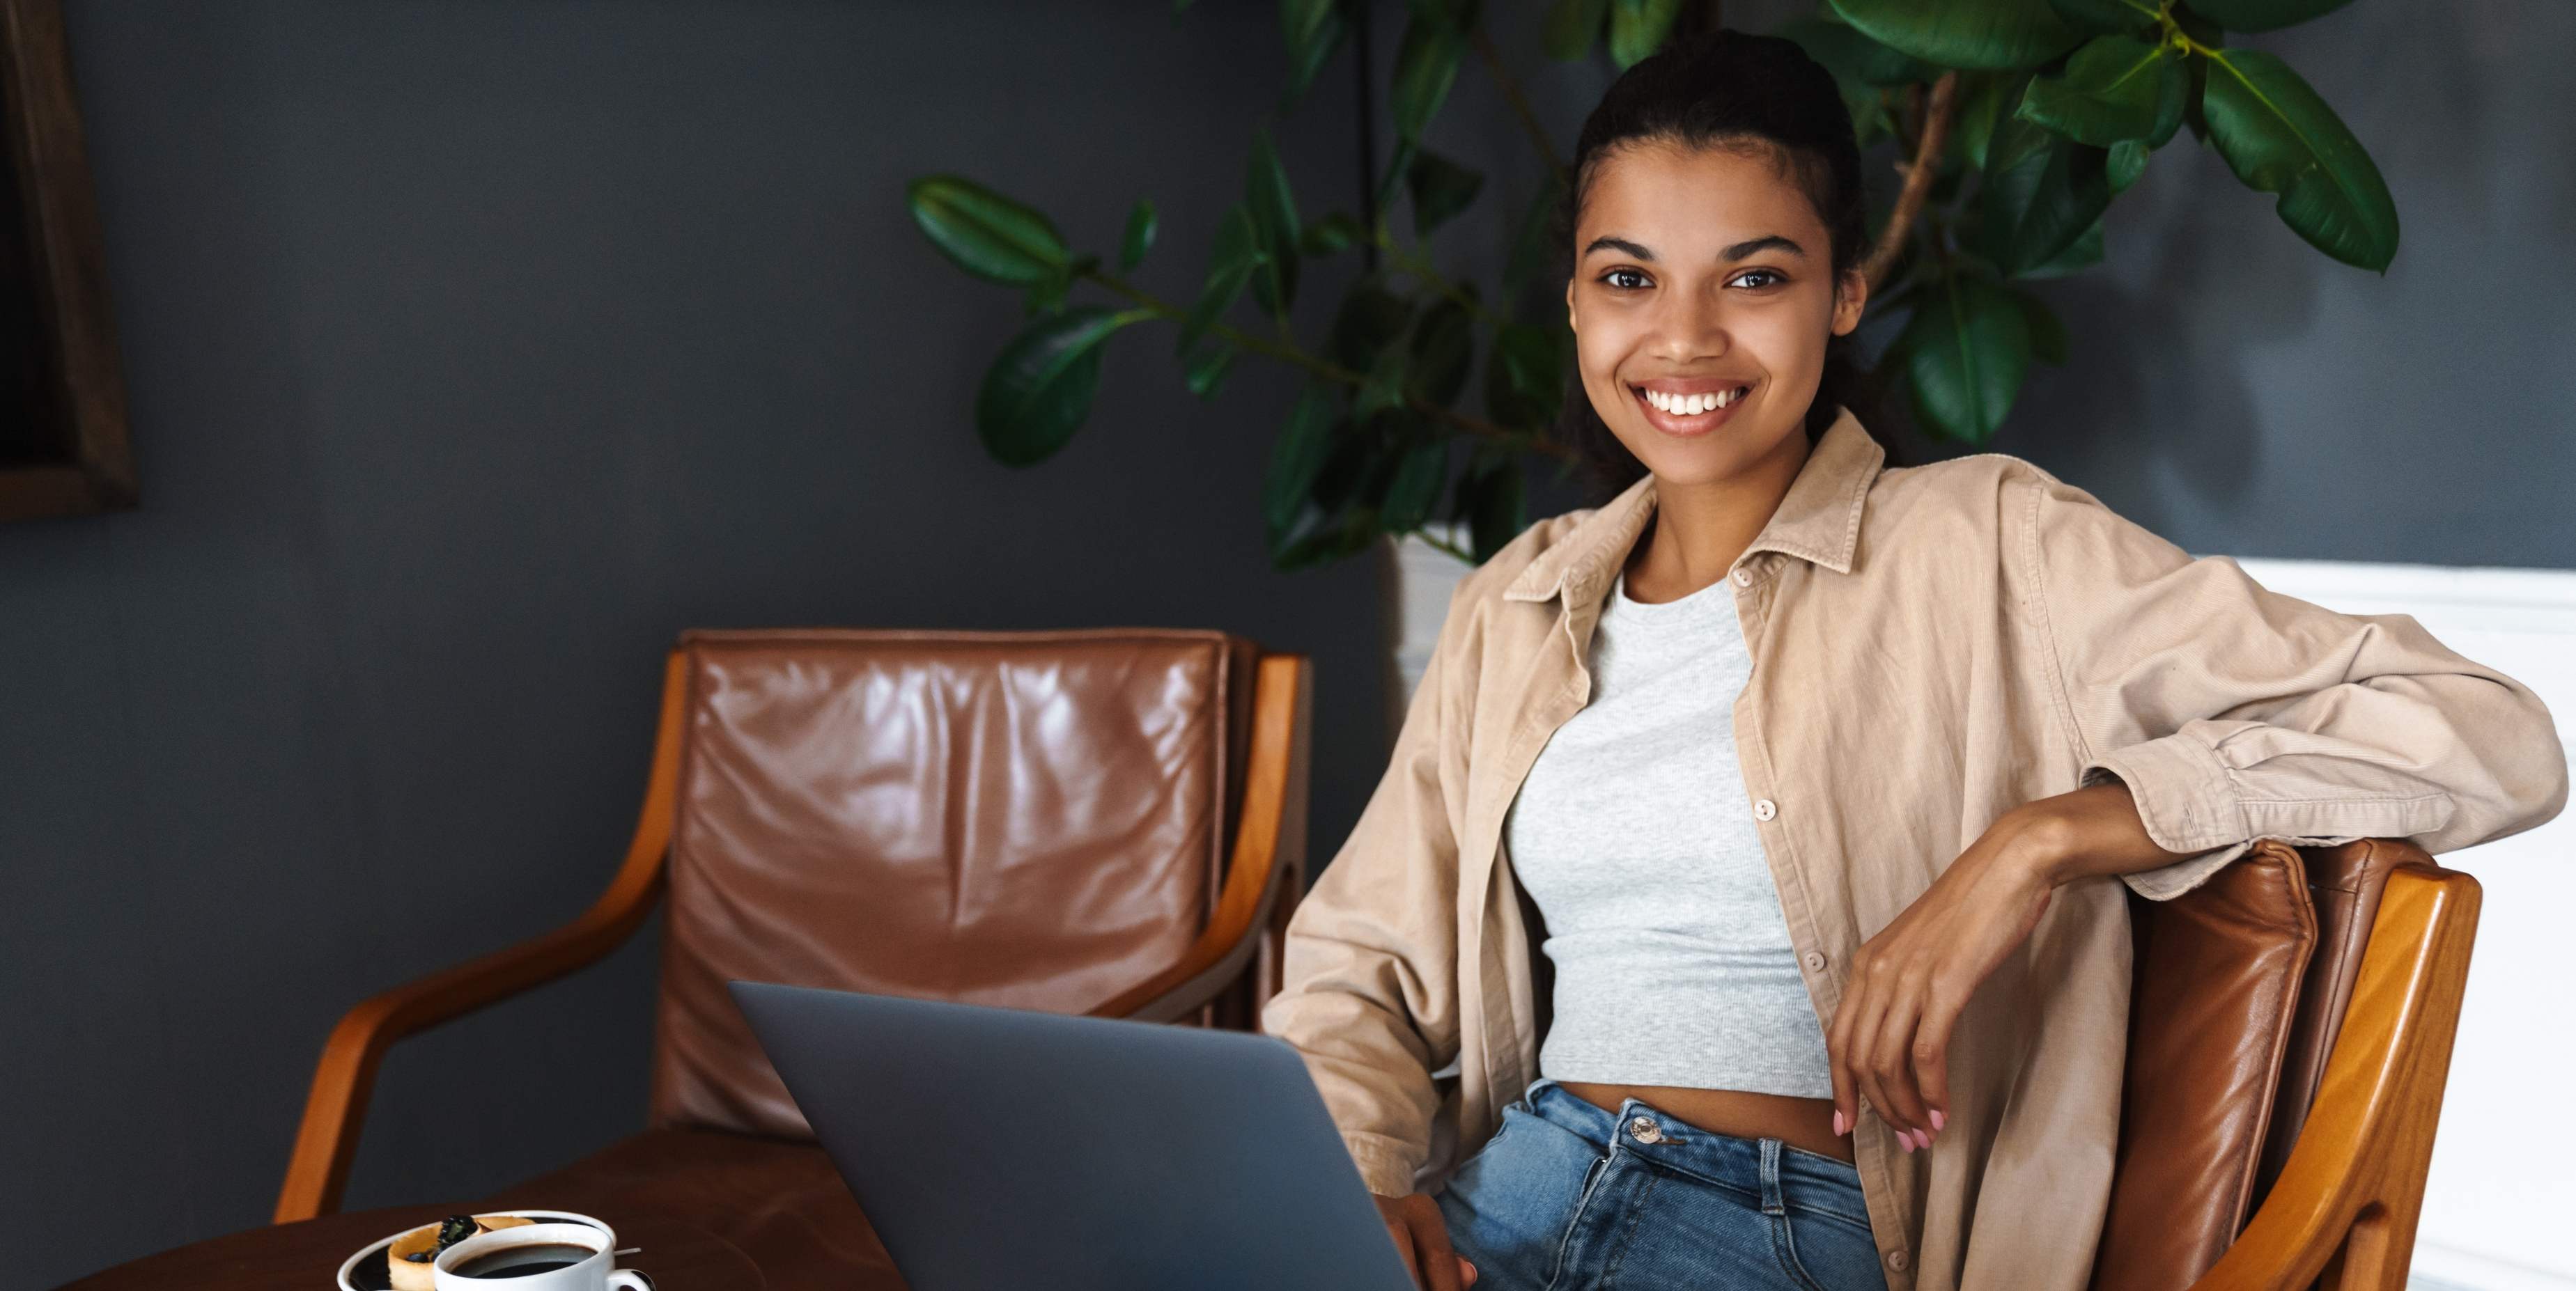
[1643, 1130]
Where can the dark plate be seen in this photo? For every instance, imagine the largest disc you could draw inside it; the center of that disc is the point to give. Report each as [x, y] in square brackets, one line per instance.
[370, 1273]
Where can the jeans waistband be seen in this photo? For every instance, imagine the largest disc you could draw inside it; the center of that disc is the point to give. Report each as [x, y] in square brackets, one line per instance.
[1767, 1168]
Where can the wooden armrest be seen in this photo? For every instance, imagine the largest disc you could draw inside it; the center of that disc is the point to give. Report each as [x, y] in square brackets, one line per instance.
[1274, 801]
[336, 1106]
[2346, 1203]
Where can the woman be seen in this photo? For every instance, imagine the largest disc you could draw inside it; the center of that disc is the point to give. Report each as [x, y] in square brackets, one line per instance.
[1821, 777]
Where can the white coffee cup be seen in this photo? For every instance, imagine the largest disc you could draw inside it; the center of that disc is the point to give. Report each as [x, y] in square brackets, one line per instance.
[596, 1271]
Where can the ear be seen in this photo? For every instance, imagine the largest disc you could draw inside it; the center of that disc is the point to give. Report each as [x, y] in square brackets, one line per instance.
[1569, 305]
[1850, 298]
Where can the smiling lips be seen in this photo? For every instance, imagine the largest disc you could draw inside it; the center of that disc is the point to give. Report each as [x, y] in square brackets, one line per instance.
[1688, 406]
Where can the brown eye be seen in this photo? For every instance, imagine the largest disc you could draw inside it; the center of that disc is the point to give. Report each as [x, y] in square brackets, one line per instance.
[1621, 286]
[1775, 276]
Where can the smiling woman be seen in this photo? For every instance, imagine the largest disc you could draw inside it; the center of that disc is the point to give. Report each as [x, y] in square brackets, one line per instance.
[1758, 842]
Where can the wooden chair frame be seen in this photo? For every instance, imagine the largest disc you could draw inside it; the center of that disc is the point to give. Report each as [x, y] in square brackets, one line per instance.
[2345, 1206]
[1249, 900]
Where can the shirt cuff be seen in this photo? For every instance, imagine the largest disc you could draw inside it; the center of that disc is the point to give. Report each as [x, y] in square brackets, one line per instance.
[1387, 1166]
[2187, 803]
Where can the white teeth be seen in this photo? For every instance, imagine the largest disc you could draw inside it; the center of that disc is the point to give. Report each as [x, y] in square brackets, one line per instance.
[1691, 405]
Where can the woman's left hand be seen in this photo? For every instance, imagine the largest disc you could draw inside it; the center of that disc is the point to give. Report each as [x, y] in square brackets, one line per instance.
[1889, 1042]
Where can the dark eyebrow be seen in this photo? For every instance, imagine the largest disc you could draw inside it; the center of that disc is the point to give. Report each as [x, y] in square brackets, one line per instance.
[1767, 242]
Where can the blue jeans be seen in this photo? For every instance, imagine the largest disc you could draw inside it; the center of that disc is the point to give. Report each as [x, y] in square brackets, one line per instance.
[1568, 1197]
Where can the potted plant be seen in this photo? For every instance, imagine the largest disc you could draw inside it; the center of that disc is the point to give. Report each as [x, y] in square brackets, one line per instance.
[2013, 124]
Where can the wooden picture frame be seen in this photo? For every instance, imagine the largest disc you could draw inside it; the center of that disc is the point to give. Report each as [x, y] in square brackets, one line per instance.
[63, 445]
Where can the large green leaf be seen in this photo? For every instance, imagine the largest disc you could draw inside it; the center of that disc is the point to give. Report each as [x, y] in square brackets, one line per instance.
[1985, 99]
[2083, 253]
[1533, 252]
[1440, 188]
[1274, 217]
[2263, 15]
[1312, 29]
[1965, 33]
[2126, 16]
[1443, 347]
[2048, 342]
[2114, 88]
[1140, 235]
[1966, 350]
[1639, 27]
[2127, 161]
[985, 233]
[1572, 26]
[1297, 456]
[2042, 198]
[1426, 64]
[1370, 321]
[1414, 488]
[2280, 137]
[1524, 376]
[1231, 263]
[1039, 388]
[1493, 498]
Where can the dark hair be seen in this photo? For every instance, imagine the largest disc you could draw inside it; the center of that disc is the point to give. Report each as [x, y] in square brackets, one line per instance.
[1727, 88]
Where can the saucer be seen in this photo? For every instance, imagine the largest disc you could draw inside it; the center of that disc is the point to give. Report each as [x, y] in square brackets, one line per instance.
[366, 1271]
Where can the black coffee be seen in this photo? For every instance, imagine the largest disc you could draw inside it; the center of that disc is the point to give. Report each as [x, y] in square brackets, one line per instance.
[523, 1261]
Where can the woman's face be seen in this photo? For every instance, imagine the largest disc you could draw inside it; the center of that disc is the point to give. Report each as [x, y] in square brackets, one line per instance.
[1703, 275]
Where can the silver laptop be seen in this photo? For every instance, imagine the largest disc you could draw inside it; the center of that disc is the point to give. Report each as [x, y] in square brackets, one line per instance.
[1005, 1148]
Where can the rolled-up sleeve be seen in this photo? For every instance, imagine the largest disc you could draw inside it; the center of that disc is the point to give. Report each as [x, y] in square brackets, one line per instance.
[1370, 971]
[2235, 713]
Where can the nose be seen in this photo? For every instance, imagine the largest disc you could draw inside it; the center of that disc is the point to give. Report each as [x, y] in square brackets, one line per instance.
[1694, 324]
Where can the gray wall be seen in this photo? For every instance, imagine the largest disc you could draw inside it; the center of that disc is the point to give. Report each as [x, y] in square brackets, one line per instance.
[476, 348]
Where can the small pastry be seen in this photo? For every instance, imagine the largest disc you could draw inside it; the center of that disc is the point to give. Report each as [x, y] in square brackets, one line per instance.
[408, 1258]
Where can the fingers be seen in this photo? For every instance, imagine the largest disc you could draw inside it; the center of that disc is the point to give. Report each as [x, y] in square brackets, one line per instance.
[1891, 1059]
[1466, 1271]
[1932, 1053]
[1439, 1264]
[1864, 1005]
[1837, 1066]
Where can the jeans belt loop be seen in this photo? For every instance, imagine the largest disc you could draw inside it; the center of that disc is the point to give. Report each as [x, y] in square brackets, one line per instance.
[1772, 1202]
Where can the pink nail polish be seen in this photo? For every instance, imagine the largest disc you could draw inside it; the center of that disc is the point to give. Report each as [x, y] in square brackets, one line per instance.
[1838, 1122]
[1907, 1139]
[1936, 1120]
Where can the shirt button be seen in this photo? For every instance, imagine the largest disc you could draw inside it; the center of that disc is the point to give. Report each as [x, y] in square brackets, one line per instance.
[1815, 961]
[1764, 810]
[1744, 578]
[1896, 1260]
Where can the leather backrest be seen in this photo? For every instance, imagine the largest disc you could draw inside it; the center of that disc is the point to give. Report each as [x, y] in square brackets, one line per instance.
[2344, 883]
[2218, 973]
[1022, 819]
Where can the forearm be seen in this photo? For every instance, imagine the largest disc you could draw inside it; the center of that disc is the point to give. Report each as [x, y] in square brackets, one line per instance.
[2088, 831]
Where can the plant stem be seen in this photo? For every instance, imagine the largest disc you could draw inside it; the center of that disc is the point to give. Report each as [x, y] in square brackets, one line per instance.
[1413, 262]
[1443, 544]
[1512, 94]
[1331, 371]
[1918, 179]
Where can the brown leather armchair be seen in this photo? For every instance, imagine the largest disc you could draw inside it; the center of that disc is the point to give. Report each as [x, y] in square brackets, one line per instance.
[1106, 821]
[2290, 1030]
[2289, 1035]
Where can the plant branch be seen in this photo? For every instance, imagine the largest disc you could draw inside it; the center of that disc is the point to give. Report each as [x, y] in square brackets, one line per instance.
[1331, 371]
[1918, 179]
[1430, 539]
[1511, 87]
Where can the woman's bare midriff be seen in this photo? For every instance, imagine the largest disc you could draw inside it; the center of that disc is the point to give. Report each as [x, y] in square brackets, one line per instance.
[1799, 1122]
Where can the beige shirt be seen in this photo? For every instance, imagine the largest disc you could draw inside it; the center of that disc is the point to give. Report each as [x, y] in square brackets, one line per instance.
[1932, 646]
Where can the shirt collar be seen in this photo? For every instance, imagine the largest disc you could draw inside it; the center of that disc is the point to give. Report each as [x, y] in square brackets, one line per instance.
[1818, 520]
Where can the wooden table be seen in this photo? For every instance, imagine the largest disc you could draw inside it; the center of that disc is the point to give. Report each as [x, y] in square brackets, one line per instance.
[307, 1256]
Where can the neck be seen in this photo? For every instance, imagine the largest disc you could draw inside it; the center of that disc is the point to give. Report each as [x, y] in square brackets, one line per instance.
[1699, 528]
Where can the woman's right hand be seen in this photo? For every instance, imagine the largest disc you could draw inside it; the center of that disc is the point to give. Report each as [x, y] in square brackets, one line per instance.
[1422, 1237]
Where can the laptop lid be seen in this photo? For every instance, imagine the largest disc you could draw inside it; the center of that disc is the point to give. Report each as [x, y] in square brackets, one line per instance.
[996, 1147]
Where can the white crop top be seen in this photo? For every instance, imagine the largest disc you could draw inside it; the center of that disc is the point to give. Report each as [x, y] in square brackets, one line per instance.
[1635, 837]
